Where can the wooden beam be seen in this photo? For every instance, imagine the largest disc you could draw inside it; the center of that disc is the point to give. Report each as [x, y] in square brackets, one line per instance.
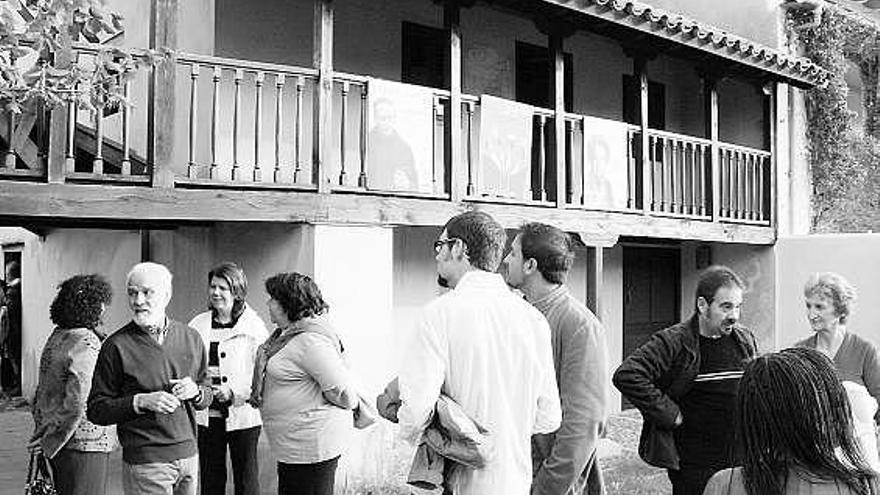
[771, 90]
[161, 101]
[558, 98]
[322, 59]
[458, 171]
[25, 201]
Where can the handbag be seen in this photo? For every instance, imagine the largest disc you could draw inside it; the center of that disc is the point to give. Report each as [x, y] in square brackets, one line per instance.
[39, 476]
[364, 414]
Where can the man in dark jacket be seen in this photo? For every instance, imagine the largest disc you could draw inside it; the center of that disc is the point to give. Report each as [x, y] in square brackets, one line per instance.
[684, 380]
[150, 376]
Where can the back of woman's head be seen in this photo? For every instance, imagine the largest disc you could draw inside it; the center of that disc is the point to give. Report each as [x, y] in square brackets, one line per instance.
[297, 294]
[794, 416]
[80, 302]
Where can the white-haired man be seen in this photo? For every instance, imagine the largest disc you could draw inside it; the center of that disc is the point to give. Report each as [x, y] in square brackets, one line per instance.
[150, 376]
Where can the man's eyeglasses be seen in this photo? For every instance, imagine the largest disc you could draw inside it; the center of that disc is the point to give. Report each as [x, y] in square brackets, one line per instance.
[439, 243]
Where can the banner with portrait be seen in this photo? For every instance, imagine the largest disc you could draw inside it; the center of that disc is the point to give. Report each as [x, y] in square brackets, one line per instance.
[605, 163]
[401, 136]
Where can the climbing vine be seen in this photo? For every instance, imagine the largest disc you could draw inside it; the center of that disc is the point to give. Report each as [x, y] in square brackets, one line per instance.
[844, 158]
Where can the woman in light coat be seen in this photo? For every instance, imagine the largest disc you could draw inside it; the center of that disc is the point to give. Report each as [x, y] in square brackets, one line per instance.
[232, 332]
[78, 450]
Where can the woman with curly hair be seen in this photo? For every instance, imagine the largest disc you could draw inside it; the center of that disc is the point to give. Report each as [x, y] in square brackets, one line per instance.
[794, 425]
[303, 388]
[77, 449]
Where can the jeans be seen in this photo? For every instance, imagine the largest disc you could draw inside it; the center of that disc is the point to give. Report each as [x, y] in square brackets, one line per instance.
[307, 479]
[180, 477]
[80, 473]
[242, 444]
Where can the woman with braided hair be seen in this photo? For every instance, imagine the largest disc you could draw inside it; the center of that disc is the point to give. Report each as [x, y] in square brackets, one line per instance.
[794, 425]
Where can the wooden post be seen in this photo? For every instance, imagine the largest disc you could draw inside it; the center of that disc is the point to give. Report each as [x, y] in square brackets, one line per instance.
[161, 102]
[61, 145]
[558, 98]
[771, 90]
[640, 71]
[322, 59]
[258, 124]
[710, 94]
[458, 169]
[595, 269]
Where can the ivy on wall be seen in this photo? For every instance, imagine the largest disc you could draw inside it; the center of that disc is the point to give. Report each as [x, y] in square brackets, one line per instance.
[844, 158]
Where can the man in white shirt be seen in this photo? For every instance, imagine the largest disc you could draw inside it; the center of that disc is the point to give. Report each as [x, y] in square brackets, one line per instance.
[488, 350]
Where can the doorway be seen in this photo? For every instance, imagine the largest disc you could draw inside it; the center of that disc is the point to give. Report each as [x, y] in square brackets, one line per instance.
[651, 293]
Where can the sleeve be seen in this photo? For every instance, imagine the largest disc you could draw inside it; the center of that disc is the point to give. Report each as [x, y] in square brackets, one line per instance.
[871, 373]
[422, 373]
[79, 381]
[582, 389]
[323, 363]
[549, 412]
[241, 389]
[106, 404]
[200, 376]
[637, 377]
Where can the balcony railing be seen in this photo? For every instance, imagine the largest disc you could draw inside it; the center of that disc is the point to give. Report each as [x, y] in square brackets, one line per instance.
[244, 124]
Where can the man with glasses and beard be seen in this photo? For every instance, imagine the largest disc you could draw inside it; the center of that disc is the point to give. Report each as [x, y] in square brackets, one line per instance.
[684, 382]
[487, 350]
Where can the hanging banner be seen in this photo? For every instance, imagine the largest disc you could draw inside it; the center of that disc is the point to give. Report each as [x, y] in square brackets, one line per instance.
[505, 148]
[605, 163]
[400, 141]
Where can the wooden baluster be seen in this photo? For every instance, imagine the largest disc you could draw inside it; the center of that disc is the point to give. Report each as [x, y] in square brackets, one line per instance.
[126, 129]
[471, 190]
[98, 162]
[761, 161]
[193, 169]
[755, 168]
[542, 157]
[346, 87]
[664, 165]
[681, 164]
[701, 176]
[569, 161]
[632, 146]
[298, 130]
[674, 184]
[650, 165]
[436, 111]
[9, 157]
[722, 172]
[688, 172]
[70, 150]
[362, 176]
[215, 125]
[236, 125]
[742, 189]
[279, 126]
[259, 78]
[749, 190]
[738, 189]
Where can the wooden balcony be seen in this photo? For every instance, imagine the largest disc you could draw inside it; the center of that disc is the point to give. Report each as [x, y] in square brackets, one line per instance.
[264, 142]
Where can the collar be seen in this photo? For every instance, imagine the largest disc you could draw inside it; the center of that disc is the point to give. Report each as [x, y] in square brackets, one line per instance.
[551, 299]
[156, 329]
[480, 279]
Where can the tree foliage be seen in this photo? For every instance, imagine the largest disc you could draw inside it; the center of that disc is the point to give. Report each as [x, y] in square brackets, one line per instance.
[37, 57]
[844, 159]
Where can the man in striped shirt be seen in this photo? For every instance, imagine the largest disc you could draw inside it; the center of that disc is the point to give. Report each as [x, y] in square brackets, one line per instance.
[684, 380]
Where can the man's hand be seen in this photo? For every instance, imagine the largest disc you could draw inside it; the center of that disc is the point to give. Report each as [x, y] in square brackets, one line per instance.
[184, 388]
[161, 402]
[222, 393]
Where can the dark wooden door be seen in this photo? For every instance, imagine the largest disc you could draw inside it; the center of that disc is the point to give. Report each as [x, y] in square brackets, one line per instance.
[651, 293]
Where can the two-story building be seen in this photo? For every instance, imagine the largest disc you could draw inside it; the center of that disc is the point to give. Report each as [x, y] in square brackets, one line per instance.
[336, 138]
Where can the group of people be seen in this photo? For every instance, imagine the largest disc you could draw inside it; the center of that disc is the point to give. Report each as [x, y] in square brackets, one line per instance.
[515, 352]
[10, 330]
[725, 420]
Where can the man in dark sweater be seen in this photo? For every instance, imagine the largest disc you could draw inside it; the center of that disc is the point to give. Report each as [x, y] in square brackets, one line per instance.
[564, 462]
[150, 377]
[684, 382]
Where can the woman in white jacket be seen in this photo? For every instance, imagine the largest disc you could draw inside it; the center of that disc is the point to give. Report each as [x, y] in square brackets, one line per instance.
[232, 332]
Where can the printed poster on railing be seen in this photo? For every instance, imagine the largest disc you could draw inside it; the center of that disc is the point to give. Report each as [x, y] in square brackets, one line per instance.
[605, 163]
[505, 148]
[400, 142]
